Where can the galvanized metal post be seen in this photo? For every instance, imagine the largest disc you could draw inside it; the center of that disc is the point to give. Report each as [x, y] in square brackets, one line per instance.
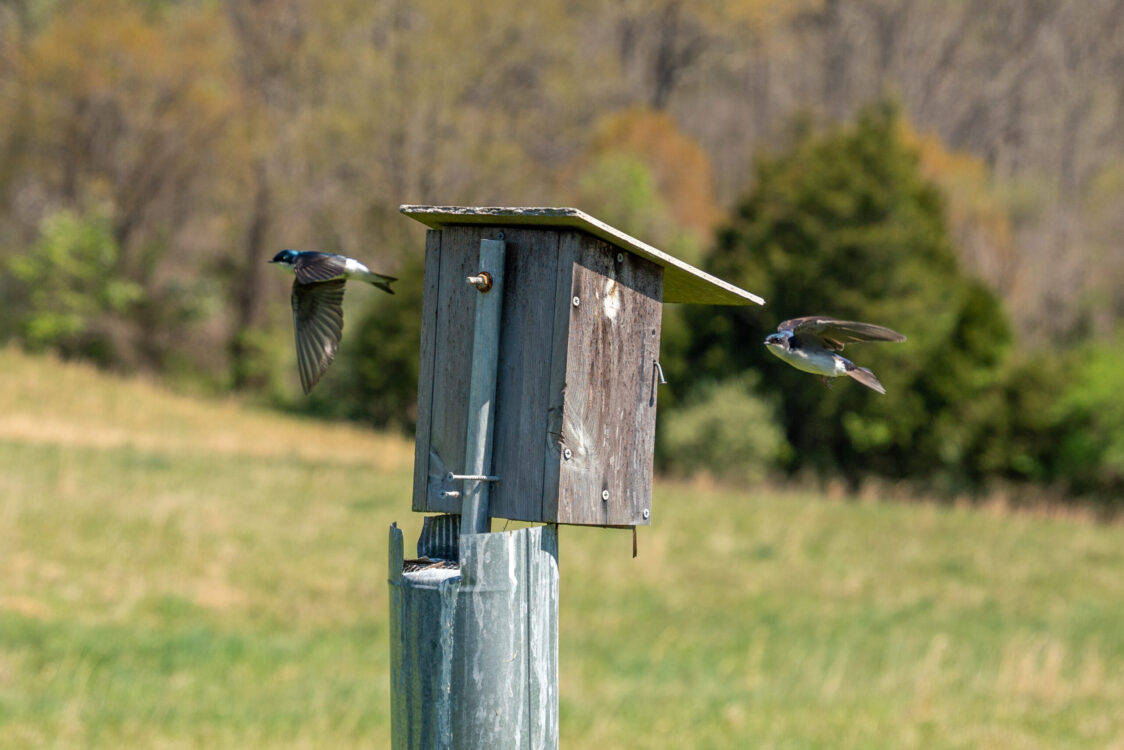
[474, 648]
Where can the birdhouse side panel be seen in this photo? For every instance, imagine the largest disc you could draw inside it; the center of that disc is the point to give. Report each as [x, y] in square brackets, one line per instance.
[609, 395]
[445, 368]
[426, 353]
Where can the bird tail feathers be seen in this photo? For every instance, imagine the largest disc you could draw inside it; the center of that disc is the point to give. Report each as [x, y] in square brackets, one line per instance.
[866, 377]
[382, 282]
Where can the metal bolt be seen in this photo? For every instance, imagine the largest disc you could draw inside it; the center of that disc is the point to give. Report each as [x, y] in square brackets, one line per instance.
[499, 235]
[482, 281]
[451, 477]
[604, 495]
[567, 454]
[646, 513]
[620, 257]
[577, 301]
[450, 494]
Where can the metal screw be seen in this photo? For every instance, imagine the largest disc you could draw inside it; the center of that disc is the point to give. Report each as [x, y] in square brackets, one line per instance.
[567, 454]
[604, 495]
[620, 257]
[451, 477]
[499, 235]
[450, 493]
[646, 513]
[577, 301]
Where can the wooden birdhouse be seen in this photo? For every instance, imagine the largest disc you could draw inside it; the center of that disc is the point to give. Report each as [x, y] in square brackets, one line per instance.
[577, 364]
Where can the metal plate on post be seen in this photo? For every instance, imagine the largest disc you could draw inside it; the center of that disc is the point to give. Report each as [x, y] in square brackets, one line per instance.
[482, 388]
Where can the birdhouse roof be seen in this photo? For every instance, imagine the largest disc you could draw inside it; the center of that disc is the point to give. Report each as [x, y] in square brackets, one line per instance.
[682, 282]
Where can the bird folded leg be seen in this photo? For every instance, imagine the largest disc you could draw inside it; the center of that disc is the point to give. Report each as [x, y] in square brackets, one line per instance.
[826, 381]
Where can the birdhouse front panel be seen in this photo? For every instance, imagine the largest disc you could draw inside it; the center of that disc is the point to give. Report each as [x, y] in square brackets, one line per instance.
[575, 408]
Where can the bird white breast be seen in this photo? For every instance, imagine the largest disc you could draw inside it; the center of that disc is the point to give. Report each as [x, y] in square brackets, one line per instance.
[807, 359]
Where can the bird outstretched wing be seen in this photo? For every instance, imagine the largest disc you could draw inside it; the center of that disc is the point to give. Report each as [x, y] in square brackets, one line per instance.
[313, 267]
[835, 333]
[318, 320]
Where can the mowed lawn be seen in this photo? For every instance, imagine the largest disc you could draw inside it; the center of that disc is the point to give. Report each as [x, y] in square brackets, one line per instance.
[181, 573]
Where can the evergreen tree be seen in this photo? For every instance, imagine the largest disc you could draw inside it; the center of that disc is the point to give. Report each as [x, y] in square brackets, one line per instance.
[843, 224]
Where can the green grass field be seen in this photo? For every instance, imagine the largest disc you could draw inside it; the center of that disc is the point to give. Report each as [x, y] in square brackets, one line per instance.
[181, 573]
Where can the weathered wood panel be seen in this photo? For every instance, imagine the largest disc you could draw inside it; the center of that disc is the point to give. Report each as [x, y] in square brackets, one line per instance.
[609, 405]
[452, 363]
[428, 350]
[569, 248]
[523, 385]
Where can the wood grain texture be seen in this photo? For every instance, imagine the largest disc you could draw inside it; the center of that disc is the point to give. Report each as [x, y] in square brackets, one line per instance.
[523, 383]
[427, 349]
[452, 363]
[569, 248]
[609, 405]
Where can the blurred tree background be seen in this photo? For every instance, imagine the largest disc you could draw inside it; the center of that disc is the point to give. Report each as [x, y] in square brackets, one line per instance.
[953, 170]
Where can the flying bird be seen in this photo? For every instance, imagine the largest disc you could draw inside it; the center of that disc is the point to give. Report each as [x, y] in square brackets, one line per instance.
[813, 343]
[318, 305]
